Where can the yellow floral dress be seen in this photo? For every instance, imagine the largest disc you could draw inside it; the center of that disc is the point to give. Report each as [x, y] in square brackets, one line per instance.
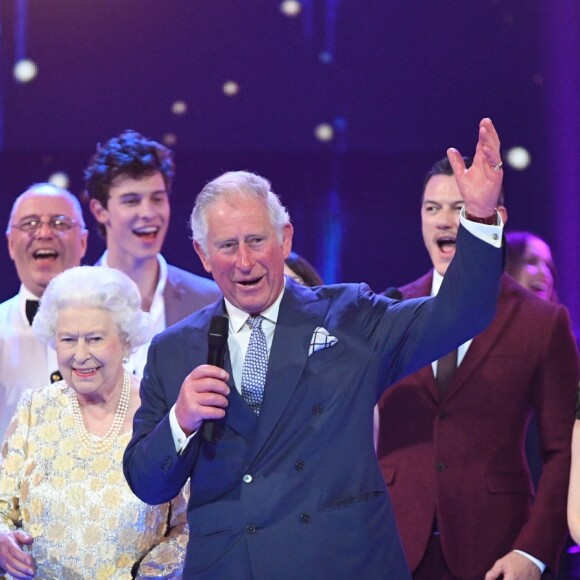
[85, 521]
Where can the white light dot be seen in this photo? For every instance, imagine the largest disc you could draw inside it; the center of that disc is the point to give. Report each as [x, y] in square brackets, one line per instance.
[290, 7]
[324, 132]
[170, 139]
[25, 70]
[231, 88]
[59, 179]
[179, 108]
[518, 158]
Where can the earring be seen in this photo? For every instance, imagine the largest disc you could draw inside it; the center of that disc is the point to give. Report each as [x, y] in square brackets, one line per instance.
[125, 359]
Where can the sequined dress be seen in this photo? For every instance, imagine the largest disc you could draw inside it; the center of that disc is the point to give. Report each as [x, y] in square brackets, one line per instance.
[85, 521]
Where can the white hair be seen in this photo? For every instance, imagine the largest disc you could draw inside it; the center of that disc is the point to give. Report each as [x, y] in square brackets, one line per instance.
[236, 185]
[107, 289]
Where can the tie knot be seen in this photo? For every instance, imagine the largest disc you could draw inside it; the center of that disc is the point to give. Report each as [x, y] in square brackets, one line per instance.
[255, 321]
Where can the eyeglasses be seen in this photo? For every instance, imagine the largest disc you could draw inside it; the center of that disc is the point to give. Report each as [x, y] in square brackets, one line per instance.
[57, 223]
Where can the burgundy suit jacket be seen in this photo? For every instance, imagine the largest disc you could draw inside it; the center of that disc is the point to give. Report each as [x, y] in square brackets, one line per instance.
[463, 459]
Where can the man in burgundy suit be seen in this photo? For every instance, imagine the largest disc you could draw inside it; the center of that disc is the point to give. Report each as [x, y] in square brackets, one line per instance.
[451, 442]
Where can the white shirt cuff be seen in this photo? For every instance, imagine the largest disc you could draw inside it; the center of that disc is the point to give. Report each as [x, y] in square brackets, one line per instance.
[180, 439]
[490, 234]
[537, 562]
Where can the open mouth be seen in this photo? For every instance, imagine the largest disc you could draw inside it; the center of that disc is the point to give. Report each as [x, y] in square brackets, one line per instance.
[446, 245]
[250, 283]
[147, 232]
[538, 287]
[45, 254]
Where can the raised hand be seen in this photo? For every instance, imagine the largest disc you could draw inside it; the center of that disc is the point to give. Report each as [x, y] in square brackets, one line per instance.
[480, 185]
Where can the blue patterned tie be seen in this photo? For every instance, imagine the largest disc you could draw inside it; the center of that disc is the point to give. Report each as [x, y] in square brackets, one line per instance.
[255, 366]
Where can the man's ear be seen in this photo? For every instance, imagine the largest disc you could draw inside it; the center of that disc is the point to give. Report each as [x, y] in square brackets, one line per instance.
[204, 259]
[100, 213]
[10, 246]
[84, 243]
[287, 233]
[502, 211]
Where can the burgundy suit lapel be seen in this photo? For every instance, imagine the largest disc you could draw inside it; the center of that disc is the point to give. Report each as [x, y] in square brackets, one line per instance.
[419, 288]
[485, 341]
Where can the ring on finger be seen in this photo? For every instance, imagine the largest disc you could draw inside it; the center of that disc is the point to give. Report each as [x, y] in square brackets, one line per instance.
[497, 167]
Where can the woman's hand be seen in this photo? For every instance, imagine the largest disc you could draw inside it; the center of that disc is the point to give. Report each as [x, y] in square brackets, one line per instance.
[13, 559]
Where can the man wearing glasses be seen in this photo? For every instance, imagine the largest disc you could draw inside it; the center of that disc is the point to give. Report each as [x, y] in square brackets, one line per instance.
[46, 235]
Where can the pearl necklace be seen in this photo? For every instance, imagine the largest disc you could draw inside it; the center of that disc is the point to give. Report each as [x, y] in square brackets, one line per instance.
[106, 442]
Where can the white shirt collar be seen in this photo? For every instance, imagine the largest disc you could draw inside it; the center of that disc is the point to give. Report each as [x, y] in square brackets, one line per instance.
[26, 294]
[436, 284]
[238, 317]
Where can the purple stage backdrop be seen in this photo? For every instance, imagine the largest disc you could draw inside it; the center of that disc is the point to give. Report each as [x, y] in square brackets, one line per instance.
[344, 105]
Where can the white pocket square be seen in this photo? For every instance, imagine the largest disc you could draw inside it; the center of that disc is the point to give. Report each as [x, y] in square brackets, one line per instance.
[321, 340]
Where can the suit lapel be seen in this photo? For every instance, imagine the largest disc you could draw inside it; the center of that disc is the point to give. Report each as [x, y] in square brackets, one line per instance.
[301, 311]
[481, 344]
[239, 416]
[176, 308]
[485, 341]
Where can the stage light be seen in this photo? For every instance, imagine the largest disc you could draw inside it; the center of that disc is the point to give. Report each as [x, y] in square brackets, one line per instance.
[518, 158]
[231, 88]
[170, 139]
[179, 108]
[59, 179]
[25, 70]
[290, 7]
[324, 132]
[325, 57]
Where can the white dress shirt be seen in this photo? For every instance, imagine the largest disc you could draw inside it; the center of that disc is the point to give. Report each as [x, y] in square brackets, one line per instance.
[137, 360]
[25, 363]
[238, 339]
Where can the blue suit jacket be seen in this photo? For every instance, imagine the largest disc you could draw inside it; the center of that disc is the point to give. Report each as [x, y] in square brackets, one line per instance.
[297, 493]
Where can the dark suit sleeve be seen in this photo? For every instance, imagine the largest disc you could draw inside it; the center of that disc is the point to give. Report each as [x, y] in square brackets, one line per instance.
[413, 333]
[154, 470]
[554, 391]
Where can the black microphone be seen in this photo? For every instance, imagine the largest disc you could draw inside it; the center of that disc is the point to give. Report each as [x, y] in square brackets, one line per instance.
[217, 339]
[393, 293]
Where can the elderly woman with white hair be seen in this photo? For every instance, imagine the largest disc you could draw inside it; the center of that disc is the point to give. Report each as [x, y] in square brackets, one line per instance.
[65, 509]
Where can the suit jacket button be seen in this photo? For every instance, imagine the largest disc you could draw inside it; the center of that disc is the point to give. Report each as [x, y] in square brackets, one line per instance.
[247, 478]
[317, 410]
[440, 467]
[299, 465]
[251, 529]
[304, 518]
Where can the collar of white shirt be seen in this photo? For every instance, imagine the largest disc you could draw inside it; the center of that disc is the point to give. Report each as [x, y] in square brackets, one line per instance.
[239, 317]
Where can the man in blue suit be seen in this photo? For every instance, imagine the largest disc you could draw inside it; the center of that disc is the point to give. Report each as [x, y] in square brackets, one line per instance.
[288, 484]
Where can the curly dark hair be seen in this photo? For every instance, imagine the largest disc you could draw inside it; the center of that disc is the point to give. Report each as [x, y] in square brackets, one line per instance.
[129, 154]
